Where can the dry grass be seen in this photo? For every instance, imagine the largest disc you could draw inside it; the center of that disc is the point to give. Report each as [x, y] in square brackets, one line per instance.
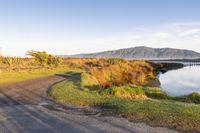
[122, 73]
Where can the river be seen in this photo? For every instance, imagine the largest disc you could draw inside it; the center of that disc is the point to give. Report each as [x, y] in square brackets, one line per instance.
[181, 81]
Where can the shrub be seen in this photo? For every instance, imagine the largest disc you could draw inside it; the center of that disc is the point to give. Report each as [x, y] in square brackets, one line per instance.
[42, 58]
[194, 97]
[52, 60]
[191, 98]
[124, 73]
[156, 93]
[8, 61]
[125, 92]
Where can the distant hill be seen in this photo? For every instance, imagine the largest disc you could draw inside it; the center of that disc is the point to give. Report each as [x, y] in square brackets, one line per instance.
[143, 53]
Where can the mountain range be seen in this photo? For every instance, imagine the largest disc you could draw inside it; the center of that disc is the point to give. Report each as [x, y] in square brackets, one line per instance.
[142, 53]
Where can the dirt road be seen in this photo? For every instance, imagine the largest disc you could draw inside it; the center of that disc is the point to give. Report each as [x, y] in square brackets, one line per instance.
[25, 108]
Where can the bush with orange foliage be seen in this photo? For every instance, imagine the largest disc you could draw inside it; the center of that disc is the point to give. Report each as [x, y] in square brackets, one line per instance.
[124, 72]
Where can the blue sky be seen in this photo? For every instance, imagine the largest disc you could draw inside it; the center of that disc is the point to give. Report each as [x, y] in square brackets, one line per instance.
[81, 26]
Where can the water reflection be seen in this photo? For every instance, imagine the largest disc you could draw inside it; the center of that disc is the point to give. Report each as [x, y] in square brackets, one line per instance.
[182, 81]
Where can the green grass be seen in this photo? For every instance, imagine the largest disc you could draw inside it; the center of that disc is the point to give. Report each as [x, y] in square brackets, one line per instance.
[177, 115]
[69, 91]
[127, 91]
[180, 116]
[11, 76]
[156, 93]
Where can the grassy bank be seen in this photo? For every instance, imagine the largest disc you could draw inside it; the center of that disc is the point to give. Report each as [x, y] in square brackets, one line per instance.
[122, 101]
[8, 76]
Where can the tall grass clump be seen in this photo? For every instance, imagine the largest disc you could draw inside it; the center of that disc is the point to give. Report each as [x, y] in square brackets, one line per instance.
[10, 61]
